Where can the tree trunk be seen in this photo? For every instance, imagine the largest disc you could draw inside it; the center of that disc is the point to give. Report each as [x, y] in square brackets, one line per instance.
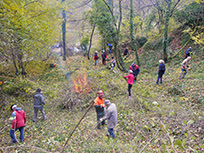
[166, 27]
[91, 40]
[134, 45]
[64, 32]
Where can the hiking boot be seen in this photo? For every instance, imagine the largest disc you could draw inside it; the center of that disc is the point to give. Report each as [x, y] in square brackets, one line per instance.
[108, 135]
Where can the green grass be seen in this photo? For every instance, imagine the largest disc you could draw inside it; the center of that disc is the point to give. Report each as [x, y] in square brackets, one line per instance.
[176, 123]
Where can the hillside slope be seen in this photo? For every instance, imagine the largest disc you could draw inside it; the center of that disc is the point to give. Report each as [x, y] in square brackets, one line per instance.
[174, 123]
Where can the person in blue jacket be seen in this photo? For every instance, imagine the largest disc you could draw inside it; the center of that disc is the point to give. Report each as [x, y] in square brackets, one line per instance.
[161, 71]
[188, 52]
[110, 48]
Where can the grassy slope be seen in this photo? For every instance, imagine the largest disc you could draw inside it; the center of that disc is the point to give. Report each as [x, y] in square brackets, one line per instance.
[175, 124]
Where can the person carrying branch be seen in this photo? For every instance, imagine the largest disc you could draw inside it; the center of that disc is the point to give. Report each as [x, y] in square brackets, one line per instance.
[184, 66]
[100, 108]
[111, 117]
[130, 81]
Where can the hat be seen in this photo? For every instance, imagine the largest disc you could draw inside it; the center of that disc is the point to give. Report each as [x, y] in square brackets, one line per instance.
[130, 71]
[107, 102]
[161, 61]
[38, 90]
[96, 51]
[13, 106]
[133, 63]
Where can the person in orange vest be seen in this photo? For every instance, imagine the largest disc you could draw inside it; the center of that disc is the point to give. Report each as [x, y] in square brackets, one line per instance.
[100, 108]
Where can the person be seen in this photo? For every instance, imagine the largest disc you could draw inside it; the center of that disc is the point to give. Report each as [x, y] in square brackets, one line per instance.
[125, 52]
[18, 123]
[100, 108]
[161, 71]
[184, 66]
[96, 57]
[136, 71]
[188, 52]
[110, 48]
[104, 57]
[38, 104]
[130, 81]
[111, 117]
[112, 63]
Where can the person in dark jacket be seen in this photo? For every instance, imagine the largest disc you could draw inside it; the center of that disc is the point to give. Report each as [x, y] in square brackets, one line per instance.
[38, 104]
[104, 57]
[18, 123]
[96, 57]
[161, 71]
[100, 107]
[136, 71]
[111, 117]
[188, 52]
[125, 52]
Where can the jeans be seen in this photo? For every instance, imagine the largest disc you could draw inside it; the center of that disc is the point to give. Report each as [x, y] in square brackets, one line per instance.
[95, 62]
[159, 77]
[110, 130]
[129, 89]
[12, 134]
[36, 113]
[184, 72]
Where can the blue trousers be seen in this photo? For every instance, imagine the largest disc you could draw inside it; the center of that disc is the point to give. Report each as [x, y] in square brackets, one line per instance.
[184, 72]
[110, 130]
[95, 62]
[12, 134]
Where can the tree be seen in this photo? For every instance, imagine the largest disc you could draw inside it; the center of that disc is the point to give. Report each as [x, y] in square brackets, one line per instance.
[133, 41]
[27, 30]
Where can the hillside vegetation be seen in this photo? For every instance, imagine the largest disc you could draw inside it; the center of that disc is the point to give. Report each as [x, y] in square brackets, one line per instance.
[158, 118]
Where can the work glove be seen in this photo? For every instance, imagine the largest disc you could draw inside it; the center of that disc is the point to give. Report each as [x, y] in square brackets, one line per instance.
[101, 119]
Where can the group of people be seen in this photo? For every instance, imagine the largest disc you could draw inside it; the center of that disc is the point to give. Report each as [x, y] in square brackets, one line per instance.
[101, 105]
[105, 110]
[19, 118]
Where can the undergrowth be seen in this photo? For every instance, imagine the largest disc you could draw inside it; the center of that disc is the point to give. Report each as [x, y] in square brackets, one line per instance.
[158, 118]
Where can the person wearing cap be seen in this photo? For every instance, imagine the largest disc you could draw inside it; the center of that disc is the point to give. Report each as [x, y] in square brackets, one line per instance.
[99, 106]
[113, 63]
[188, 52]
[130, 81]
[38, 104]
[18, 123]
[96, 57]
[161, 71]
[104, 57]
[135, 69]
[184, 66]
[111, 117]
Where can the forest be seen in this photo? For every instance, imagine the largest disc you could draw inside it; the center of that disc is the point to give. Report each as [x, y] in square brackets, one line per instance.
[50, 47]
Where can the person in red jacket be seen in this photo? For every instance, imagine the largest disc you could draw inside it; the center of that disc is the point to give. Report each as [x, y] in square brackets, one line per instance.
[96, 57]
[130, 81]
[18, 123]
[104, 57]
